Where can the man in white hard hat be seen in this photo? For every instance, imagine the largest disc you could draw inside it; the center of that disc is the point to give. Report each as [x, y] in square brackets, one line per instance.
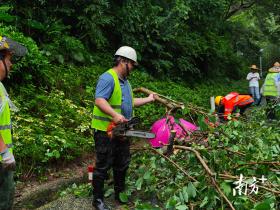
[113, 103]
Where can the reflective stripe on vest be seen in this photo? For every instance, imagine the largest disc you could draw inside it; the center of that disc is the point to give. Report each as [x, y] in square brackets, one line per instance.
[4, 127]
[270, 88]
[100, 119]
[5, 120]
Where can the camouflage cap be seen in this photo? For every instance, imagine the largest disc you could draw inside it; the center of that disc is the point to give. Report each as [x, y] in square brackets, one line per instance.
[12, 46]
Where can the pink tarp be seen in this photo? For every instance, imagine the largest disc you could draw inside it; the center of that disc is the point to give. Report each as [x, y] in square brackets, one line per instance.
[162, 128]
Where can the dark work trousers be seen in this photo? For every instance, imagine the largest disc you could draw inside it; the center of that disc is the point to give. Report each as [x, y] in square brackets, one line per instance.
[7, 189]
[242, 109]
[110, 153]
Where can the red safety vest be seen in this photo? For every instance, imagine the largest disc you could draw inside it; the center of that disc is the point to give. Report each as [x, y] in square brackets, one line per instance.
[233, 99]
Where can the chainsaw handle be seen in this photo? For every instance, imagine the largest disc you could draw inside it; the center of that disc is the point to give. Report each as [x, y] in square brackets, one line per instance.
[110, 129]
[120, 128]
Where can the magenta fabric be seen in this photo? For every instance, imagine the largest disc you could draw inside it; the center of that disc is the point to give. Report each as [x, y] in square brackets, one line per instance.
[162, 130]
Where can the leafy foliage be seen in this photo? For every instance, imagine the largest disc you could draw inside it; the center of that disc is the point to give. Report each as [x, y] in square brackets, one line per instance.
[55, 130]
[186, 40]
[193, 41]
[156, 180]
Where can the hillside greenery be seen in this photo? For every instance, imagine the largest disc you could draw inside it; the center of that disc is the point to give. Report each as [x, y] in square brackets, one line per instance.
[188, 51]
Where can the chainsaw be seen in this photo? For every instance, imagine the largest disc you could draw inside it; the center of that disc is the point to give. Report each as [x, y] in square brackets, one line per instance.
[126, 130]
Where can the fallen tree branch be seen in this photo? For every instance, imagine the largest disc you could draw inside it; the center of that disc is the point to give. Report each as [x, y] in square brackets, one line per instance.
[209, 172]
[169, 103]
[260, 163]
[175, 164]
[270, 190]
[205, 166]
[235, 152]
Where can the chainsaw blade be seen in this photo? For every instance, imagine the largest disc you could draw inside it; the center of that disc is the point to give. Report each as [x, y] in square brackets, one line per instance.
[141, 134]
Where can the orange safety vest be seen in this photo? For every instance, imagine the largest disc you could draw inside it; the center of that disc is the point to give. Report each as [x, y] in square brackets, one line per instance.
[233, 99]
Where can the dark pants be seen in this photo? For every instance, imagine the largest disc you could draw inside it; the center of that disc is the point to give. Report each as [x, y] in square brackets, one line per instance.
[110, 153]
[7, 189]
[242, 109]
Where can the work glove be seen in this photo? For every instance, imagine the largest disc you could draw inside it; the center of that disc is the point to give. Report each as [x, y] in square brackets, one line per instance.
[8, 160]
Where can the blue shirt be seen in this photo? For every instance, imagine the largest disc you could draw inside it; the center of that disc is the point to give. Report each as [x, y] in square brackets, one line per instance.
[105, 87]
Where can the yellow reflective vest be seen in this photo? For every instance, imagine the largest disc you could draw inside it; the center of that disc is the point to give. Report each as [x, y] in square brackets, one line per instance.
[270, 88]
[101, 120]
[5, 119]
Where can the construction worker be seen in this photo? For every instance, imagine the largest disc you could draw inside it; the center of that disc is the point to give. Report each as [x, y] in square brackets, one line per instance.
[229, 103]
[253, 77]
[271, 89]
[113, 102]
[8, 49]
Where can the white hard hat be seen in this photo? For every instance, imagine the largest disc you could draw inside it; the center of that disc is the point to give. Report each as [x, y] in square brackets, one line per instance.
[127, 52]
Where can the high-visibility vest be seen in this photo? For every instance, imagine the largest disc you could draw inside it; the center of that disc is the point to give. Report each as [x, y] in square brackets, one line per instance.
[270, 88]
[5, 119]
[101, 120]
[234, 99]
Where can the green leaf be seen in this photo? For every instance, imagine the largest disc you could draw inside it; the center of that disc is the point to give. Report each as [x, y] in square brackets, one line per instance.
[263, 206]
[236, 124]
[201, 122]
[139, 183]
[56, 154]
[185, 194]
[108, 192]
[191, 190]
[181, 197]
[35, 24]
[7, 17]
[182, 207]
[147, 175]
[78, 56]
[171, 203]
[204, 202]
[226, 188]
[123, 197]
[60, 58]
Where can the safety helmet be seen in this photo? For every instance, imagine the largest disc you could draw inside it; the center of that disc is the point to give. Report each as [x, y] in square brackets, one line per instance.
[276, 64]
[218, 100]
[127, 52]
[12, 46]
[254, 67]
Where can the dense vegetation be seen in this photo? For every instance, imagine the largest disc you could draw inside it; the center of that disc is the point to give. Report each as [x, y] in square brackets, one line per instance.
[183, 39]
[188, 50]
[249, 147]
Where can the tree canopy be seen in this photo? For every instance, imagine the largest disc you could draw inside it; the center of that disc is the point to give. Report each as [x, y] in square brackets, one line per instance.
[182, 39]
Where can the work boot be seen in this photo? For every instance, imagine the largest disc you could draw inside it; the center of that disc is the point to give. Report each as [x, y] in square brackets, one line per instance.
[98, 204]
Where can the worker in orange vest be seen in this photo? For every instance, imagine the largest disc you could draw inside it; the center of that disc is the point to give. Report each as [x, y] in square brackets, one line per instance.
[231, 102]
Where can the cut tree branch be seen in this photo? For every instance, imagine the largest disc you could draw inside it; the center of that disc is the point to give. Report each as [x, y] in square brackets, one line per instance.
[175, 164]
[209, 172]
[169, 103]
